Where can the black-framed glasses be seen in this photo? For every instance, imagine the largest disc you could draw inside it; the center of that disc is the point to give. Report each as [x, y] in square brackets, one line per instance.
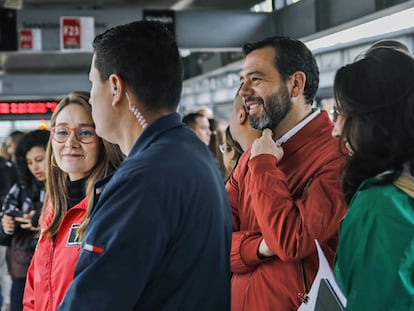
[84, 134]
[224, 147]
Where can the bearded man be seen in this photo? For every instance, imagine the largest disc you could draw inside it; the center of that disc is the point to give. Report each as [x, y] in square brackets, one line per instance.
[285, 191]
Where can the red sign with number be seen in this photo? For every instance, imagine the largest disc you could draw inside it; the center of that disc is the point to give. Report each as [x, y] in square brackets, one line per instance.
[71, 28]
[26, 39]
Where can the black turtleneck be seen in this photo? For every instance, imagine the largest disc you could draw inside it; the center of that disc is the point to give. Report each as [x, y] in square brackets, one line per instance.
[75, 191]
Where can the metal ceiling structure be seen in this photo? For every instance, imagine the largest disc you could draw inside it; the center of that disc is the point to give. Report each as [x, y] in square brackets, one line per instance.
[212, 32]
[149, 4]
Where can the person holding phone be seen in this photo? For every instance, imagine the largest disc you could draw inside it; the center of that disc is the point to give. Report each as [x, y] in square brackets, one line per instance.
[21, 209]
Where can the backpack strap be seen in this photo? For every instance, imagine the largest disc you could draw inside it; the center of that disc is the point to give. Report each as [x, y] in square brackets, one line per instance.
[405, 184]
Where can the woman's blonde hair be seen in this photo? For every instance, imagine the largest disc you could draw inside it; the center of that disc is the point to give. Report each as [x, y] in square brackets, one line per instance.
[109, 158]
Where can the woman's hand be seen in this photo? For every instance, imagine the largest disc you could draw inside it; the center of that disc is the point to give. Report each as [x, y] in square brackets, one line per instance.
[8, 224]
[26, 221]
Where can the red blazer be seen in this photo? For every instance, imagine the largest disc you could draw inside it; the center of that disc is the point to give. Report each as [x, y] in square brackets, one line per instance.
[53, 263]
[289, 204]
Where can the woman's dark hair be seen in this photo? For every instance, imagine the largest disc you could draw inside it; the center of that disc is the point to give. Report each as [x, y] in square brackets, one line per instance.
[375, 95]
[36, 138]
[232, 144]
[388, 43]
[216, 139]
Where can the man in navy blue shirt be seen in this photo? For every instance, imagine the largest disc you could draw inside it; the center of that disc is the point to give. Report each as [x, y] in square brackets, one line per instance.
[160, 230]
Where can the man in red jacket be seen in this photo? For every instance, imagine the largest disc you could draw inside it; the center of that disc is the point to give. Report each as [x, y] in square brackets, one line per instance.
[285, 191]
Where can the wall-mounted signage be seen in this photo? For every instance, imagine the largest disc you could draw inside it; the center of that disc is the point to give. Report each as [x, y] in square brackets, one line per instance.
[167, 17]
[30, 39]
[76, 33]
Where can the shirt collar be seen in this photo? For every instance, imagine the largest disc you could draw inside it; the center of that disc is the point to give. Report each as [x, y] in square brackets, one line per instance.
[153, 130]
[297, 127]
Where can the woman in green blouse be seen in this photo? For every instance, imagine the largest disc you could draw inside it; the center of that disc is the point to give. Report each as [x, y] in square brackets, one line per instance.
[375, 119]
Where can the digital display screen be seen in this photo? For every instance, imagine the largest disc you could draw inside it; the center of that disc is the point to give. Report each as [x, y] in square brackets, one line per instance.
[28, 107]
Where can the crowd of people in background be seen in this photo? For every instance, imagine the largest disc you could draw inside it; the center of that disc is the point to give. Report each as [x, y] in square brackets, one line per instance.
[21, 210]
[124, 204]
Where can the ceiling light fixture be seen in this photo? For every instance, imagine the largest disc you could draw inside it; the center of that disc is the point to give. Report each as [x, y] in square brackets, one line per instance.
[181, 4]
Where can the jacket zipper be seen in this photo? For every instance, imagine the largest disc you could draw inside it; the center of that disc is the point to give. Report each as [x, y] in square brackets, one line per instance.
[246, 291]
[50, 272]
[304, 296]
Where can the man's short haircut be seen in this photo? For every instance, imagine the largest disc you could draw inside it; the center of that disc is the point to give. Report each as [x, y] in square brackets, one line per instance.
[190, 119]
[291, 55]
[145, 55]
[238, 101]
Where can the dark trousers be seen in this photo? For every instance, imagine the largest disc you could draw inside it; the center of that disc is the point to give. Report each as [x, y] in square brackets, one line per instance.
[16, 294]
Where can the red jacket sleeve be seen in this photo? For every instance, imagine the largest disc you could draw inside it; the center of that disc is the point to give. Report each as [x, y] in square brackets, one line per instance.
[232, 189]
[290, 226]
[243, 255]
[244, 244]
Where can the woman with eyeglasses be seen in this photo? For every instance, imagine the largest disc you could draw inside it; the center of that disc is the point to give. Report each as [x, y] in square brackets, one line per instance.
[77, 158]
[231, 151]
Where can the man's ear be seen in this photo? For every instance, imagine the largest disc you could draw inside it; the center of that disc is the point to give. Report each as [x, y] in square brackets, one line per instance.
[297, 80]
[243, 115]
[116, 87]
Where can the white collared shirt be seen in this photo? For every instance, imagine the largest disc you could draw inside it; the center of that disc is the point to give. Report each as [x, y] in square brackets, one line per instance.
[297, 128]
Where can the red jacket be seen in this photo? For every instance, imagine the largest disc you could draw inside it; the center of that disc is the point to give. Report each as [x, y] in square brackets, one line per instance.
[289, 204]
[53, 263]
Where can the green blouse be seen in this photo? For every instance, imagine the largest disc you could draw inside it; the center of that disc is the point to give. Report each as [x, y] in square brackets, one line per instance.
[375, 257]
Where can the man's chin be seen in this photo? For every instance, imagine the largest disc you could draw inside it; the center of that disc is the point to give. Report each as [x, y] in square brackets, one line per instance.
[258, 125]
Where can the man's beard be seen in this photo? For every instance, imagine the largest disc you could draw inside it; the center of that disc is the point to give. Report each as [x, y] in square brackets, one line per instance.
[275, 109]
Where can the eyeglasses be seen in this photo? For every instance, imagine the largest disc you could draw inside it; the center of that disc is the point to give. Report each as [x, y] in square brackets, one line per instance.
[336, 114]
[84, 134]
[224, 147]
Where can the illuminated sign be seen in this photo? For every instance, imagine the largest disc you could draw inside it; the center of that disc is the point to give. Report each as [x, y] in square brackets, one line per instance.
[28, 107]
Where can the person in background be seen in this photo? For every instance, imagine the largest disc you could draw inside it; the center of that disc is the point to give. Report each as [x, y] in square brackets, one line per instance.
[11, 144]
[21, 209]
[217, 138]
[200, 125]
[285, 190]
[208, 132]
[162, 221]
[77, 159]
[206, 111]
[231, 152]
[390, 44]
[3, 151]
[8, 177]
[374, 102]
[240, 127]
